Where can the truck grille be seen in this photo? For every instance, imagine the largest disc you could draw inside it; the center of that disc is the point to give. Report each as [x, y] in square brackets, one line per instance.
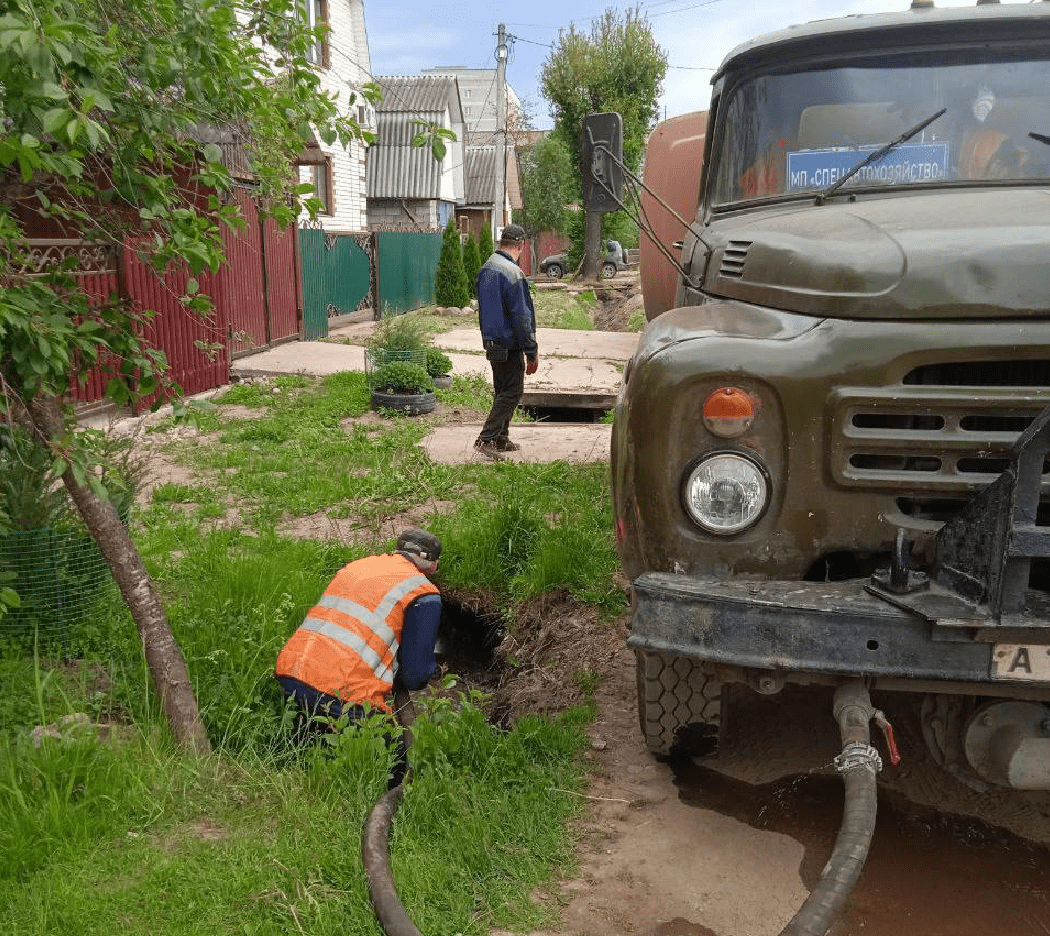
[982, 374]
[941, 434]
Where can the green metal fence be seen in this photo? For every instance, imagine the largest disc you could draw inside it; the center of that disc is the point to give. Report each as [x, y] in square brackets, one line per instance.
[408, 262]
[336, 277]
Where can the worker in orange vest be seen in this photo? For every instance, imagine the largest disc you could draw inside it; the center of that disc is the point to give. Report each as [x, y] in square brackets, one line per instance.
[376, 622]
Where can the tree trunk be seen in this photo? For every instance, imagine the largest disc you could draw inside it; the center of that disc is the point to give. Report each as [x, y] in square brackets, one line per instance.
[166, 662]
[592, 238]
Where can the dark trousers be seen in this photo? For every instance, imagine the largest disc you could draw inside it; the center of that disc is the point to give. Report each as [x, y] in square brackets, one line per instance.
[508, 381]
[312, 703]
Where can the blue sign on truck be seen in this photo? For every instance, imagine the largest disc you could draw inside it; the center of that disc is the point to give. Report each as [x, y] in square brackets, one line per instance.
[919, 162]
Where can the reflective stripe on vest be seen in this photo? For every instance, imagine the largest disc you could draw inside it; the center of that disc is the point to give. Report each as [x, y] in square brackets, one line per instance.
[375, 621]
[346, 649]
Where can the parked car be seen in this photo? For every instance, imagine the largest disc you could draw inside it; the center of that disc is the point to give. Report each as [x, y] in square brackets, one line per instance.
[615, 259]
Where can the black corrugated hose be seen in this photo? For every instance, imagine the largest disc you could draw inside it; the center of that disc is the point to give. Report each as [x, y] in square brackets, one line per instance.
[858, 763]
[387, 905]
[375, 849]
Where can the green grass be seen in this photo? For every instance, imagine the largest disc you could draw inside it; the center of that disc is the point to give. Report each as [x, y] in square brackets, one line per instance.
[128, 835]
[134, 839]
[558, 308]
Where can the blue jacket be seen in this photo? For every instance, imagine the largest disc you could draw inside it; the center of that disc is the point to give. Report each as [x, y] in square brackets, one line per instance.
[505, 305]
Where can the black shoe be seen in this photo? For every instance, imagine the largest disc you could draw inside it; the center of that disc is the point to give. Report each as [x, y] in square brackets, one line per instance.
[505, 445]
[490, 448]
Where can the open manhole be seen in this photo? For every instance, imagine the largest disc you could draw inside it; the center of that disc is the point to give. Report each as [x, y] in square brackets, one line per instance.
[467, 642]
[563, 407]
[563, 414]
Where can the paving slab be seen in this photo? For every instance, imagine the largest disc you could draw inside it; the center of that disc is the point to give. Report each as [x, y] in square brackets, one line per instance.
[570, 361]
[555, 342]
[540, 442]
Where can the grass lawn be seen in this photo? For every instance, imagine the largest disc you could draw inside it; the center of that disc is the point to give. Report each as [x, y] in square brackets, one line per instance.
[122, 833]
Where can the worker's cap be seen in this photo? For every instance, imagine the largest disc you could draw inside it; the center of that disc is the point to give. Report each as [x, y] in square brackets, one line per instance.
[420, 543]
[512, 234]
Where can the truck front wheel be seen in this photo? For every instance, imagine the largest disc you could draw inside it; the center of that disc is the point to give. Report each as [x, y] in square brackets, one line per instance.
[675, 693]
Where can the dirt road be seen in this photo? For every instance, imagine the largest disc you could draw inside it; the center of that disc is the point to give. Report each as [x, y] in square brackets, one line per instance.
[731, 844]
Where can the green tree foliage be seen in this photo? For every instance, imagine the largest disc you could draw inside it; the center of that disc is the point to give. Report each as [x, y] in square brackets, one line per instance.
[485, 245]
[471, 264]
[106, 109]
[618, 66]
[550, 185]
[450, 286]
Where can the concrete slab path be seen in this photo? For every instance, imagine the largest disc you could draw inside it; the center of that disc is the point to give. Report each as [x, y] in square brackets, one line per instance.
[570, 361]
[584, 363]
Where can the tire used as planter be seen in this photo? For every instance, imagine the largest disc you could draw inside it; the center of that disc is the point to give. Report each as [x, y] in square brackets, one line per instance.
[412, 404]
[444, 382]
[675, 692]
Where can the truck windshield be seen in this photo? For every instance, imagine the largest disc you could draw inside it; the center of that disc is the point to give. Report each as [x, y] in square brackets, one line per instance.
[783, 134]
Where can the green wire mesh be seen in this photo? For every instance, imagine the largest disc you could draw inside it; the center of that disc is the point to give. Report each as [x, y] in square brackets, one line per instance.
[60, 577]
[374, 359]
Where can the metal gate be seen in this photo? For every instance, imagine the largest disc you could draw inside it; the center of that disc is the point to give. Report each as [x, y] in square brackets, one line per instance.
[337, 277]
[407, 263]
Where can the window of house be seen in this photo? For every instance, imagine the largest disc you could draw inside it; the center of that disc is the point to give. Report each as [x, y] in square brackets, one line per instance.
[466, 93]
[469, 111]
[314, 14]
[320, 177]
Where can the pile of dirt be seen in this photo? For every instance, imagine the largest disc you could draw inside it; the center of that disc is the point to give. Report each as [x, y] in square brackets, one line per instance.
[616, 304]
[555, 655]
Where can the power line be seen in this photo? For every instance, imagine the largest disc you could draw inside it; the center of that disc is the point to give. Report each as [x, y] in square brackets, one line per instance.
[694, 6]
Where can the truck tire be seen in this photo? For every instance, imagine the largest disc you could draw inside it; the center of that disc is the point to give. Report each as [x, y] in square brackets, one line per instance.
[673, 693]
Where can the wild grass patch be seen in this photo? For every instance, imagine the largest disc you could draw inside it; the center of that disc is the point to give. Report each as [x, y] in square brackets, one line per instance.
[116, 831]
[559, 308]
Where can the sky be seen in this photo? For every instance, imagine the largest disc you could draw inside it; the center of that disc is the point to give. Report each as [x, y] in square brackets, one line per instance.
[409, 35]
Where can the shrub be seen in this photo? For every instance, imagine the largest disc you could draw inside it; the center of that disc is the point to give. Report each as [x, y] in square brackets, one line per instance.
[472, 264]
[450, 285]
[485, 245]
[438, 363]
[398, 333]
[401, 377]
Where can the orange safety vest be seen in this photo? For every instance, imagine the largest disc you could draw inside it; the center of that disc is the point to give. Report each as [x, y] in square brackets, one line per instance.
[347, 646]
[977, 151]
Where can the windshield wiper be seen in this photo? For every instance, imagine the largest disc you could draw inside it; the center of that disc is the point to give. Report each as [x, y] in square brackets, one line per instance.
[1039, 138]
[877, 155]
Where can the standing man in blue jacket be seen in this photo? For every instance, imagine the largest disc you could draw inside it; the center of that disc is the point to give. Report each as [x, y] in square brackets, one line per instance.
[508, 333]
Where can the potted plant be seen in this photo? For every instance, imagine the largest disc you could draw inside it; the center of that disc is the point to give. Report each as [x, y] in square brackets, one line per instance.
[440, 368]
[403, 386]
[396, 367]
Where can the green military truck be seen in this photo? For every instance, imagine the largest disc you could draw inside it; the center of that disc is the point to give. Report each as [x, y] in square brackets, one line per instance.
[830, 451]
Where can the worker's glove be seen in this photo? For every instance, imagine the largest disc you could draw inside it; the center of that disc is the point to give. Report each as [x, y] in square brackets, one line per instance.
[533, 365]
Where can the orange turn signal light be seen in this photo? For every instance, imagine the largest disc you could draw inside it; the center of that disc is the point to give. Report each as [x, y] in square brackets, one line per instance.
[729, 412]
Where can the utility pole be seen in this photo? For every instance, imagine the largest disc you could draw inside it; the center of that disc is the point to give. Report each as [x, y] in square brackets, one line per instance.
[500, 194]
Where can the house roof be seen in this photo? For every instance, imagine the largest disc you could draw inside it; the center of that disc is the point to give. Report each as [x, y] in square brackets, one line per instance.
[396, 168]
[479, 182]
[514, 194]
[479, 176]
[420, 95]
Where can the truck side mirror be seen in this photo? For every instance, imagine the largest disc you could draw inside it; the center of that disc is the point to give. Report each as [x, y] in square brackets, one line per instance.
[602, 161]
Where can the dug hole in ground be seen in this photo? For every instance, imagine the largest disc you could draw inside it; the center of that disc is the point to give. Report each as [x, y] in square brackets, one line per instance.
[731, 843]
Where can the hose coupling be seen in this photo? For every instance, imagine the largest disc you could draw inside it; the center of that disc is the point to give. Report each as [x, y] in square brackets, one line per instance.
[858, 756]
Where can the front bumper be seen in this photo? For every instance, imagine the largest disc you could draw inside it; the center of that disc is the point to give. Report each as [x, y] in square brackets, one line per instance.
[832, 629]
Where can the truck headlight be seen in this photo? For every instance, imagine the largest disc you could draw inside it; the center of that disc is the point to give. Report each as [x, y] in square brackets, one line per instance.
[725, 493]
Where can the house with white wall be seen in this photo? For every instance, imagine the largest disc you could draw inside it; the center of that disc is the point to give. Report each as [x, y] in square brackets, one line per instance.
[408, 189]
[344, 65]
